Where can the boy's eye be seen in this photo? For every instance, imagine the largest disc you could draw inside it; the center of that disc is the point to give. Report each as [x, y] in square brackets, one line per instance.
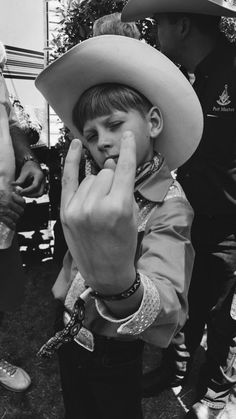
[114, 125]
[91, 138]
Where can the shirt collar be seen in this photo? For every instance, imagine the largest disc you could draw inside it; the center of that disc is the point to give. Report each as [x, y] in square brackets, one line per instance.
[156, 186]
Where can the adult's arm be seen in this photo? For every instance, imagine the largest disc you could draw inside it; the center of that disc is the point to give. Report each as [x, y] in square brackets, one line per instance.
[31, 177]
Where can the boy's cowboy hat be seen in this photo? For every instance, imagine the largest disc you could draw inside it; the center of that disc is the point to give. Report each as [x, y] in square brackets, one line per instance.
[124, 60]
[139, 9]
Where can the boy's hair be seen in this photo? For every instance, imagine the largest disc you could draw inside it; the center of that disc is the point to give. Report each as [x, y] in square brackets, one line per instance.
[112, 25]
[102, 99]
[204, 23]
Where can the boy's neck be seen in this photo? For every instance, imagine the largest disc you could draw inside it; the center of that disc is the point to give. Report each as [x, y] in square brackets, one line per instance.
[146, 169]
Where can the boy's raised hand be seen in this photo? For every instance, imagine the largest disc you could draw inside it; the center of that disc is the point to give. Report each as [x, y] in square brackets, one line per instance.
[99, 219]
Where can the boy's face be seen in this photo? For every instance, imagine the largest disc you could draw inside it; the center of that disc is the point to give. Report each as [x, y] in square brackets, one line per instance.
[102, 135]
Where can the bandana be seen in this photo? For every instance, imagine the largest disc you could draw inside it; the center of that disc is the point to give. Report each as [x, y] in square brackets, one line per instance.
[143, 171]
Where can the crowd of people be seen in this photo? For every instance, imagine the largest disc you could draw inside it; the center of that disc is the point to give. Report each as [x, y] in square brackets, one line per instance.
[150, 257]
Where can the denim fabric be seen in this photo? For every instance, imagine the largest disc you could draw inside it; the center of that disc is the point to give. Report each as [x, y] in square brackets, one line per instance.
[210, 298]
[103, 384]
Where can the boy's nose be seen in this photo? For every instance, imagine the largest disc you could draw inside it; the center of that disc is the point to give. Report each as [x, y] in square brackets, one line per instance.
[104, 142]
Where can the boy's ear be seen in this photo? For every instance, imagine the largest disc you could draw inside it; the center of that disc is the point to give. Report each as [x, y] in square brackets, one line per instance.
[155, 121]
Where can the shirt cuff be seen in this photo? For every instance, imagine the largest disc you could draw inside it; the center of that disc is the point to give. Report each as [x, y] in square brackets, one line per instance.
[76, 288]
[146, 314]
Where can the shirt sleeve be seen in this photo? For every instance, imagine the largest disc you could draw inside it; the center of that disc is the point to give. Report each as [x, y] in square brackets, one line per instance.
[65, 277]
[167, 258]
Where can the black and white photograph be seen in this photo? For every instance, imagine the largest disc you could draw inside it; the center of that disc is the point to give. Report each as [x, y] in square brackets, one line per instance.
[118, 209]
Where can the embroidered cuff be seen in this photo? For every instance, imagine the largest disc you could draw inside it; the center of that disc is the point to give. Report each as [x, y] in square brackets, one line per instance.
[106, 314]
[76, 288]
[143, 317]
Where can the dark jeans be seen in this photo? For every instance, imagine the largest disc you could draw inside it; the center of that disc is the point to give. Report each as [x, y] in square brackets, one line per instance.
[103, 384]
[12, 278]
[210, 297]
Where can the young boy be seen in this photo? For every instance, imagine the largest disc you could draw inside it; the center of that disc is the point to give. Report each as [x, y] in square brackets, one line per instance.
[127, 225]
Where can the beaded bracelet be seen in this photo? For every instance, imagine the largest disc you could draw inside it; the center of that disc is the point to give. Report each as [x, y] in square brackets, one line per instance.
[121, 296]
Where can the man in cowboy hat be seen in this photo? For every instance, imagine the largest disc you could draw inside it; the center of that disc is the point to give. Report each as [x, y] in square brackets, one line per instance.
[127, 224]
[188, 33]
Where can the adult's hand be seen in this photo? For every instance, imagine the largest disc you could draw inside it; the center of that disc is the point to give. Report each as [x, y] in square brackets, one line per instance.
[99, 219]
[11, 208]
[31, 180]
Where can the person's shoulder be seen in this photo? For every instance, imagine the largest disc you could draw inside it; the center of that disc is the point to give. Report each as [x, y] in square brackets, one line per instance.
[174, 210]
[175, 191]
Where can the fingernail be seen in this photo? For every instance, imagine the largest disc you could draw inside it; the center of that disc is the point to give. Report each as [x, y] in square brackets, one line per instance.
[75, 144]
[110, 164]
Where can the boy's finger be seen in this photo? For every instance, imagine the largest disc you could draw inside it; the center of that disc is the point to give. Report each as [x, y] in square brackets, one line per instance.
[71, 172]
[101, 186]
[123, 183]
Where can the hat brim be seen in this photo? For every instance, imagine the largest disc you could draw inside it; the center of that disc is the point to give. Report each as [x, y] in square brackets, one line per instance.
[140, 9]
[123, 60]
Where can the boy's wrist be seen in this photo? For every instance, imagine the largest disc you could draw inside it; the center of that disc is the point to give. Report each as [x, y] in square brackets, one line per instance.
[128, 292]
[127, 307]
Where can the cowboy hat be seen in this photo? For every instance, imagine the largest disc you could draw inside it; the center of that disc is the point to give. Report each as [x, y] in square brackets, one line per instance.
[124, 60]
[139, 9]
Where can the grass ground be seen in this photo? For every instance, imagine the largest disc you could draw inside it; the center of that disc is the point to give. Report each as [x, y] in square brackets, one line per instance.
[22, 334]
